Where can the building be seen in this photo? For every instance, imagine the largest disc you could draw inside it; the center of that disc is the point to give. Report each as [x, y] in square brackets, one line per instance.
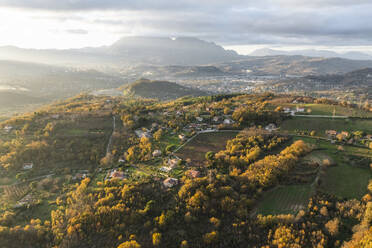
[182, 137]
[271, 127]
[156, 153]
[122, 160]
[170, 182]
[193, 173]
[141, 133]
[173, 162]
[298, 109]
[228, 121]
[28, 166]
[165, 169]
[199, 119]
[216, 119]
[115, 174]
[8, 128]
[331, 133]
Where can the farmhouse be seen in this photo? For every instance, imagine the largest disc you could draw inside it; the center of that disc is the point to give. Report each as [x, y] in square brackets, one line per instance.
[170, 182]
[28, 166]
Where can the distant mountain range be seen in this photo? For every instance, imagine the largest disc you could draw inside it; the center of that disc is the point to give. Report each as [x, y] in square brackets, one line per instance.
[313, 53]
[130, 51]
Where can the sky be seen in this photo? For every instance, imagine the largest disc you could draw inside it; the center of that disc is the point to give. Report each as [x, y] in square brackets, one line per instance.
[242, 25]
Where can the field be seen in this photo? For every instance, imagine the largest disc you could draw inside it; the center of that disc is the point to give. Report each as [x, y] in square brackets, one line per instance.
[326, 109]
[287, 199]
[320, 125]
[203, 143]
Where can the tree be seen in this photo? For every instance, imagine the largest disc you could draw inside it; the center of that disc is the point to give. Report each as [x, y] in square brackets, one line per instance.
[156, 239]
[130, 244]
[209, 156]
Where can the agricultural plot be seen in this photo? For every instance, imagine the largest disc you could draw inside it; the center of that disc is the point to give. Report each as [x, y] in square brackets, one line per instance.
[346, 181]
[320, 125]
[203, 143]
[285, 200]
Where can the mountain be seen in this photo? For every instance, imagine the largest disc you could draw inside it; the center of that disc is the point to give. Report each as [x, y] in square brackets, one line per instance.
[284, 65]
[129, 51]
[162, 90]
[312, 53]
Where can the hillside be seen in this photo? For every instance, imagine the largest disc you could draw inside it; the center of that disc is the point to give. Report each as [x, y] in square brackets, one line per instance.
[113, 172]
[162, 90]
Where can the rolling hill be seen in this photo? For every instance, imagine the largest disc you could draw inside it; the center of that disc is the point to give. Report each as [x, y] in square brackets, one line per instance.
[162, 90]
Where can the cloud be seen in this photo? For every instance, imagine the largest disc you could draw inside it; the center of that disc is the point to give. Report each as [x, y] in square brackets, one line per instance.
[233, 22]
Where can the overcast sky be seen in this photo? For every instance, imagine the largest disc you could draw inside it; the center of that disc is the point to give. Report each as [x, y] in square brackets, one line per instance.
[239, 24]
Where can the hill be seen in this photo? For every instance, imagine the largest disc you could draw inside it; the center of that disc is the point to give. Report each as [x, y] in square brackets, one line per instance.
[162, 90]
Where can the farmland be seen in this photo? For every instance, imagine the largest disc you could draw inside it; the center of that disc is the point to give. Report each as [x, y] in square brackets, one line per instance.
[203, 143]
[320, 125]
[288, 199]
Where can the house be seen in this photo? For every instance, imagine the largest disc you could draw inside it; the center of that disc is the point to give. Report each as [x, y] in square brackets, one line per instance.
[79, 176]
[368, 137]
[156, 153]
[182, 137]
[287, 110]
[331, 133]
[115, 174]
[271, 127]
[216, 119]
[199, 119]
[345, 134]
[56, 116]
[228, 121]
[165, 169]
[8, 128]
[170, 182]
[173, 162]
[121, 160]
[141, 133]
[28, 166]
[193, 173]
[298, 109]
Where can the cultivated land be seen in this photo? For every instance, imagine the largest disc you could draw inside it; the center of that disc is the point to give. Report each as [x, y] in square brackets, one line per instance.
[320, 125]
[203, 143]
[287, 199]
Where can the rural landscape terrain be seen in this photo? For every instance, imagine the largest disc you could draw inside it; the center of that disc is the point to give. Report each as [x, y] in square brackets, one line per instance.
[185, 124]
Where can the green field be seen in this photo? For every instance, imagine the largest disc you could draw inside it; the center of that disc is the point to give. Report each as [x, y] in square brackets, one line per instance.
[326, 109]
[285, 200]
[203, 143]
[346, 181]
[320, 125]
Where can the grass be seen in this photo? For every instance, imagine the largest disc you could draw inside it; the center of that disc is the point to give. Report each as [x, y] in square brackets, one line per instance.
[346, 181]
[287, 199]
[326, 109]
[320, 125]
[343, 180]
[203, 143]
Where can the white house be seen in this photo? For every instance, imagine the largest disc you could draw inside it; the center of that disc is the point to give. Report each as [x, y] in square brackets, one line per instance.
[8, 128]
[228, 121]
[199, 119]
[28, 166]
[271, 127]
